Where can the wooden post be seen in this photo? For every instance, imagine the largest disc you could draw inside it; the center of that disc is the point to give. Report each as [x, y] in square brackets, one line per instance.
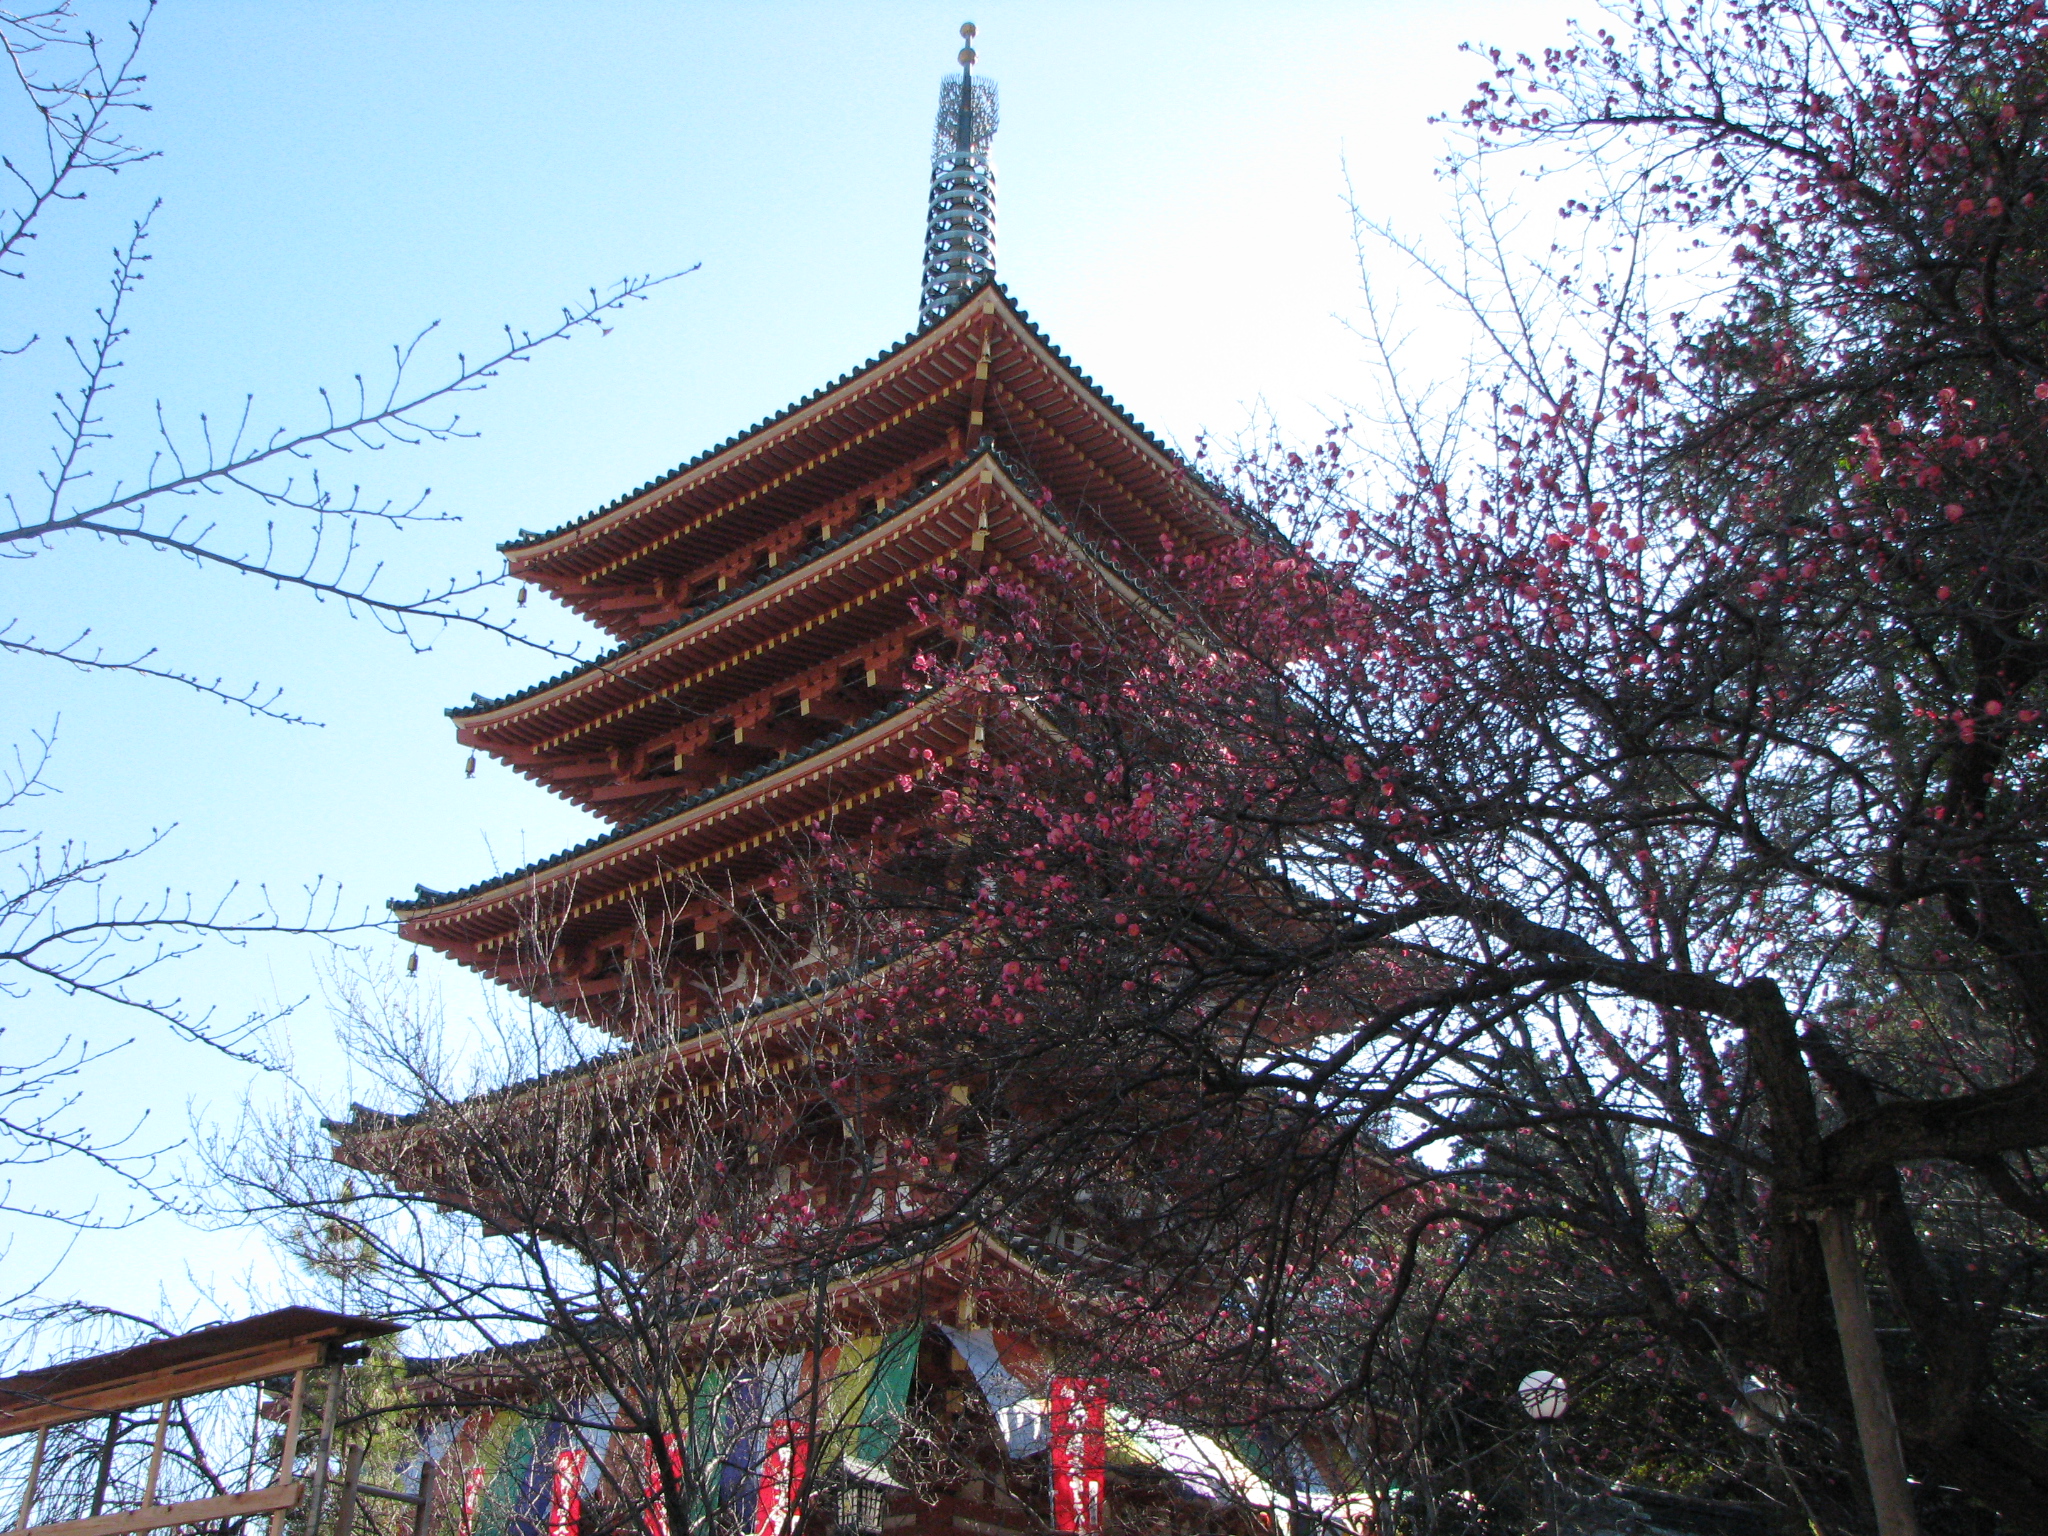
[156, 1452]
[421, 1525]
[345, 1511]
[288, 1458]
[1883, 1462]
[323, 1450]
[35, 1471]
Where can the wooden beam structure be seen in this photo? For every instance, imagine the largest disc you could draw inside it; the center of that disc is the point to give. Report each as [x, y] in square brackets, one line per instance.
[155, 1517]
[205, 1360]
[159, 1375]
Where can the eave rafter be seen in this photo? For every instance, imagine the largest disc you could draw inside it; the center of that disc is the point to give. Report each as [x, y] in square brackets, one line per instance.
[620, 570]
[604, 782]
[654, 696]
[629, 865]
[545, 721]
[586, 559]
[659, 1076]
[652, 1073]
[776, 832]
[575, 713]
[1090, 465]
[567, 557]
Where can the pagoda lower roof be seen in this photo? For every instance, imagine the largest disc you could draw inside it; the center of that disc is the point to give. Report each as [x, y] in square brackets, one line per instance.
[755, 815]
[793, 618]
[652, 1069]
[820, 446]
[915, 1280]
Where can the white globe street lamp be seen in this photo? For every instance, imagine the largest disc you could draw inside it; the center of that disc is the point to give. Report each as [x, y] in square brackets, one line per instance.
[1543, 1396]
[1761, 1407]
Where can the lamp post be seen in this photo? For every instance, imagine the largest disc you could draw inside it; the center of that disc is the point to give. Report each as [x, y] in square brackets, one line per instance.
[1544, 1399]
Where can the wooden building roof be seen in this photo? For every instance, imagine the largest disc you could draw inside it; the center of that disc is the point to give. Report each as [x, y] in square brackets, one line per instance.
[795, 617]
[205, 1360]
[982, 370]
[730, 835]
[767, 592]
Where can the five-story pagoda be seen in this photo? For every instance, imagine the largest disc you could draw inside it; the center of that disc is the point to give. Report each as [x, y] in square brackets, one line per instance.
[780, 605]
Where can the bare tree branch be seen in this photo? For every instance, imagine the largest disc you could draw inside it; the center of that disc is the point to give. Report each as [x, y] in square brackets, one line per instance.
[255, 698]
[66, 922]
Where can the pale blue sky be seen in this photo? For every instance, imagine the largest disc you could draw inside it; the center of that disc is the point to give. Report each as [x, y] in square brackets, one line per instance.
[1172, 185]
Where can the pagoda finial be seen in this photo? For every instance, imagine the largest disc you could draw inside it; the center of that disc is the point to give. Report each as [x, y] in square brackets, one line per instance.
[960, 219]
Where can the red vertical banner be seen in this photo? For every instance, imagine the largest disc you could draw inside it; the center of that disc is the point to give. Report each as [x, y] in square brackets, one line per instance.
[472, 1495]
[782, 1479]
[1079, 1424]
[565, 1495]
[656, 1518]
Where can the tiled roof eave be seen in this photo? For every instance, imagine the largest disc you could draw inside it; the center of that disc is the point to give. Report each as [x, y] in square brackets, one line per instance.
[510, 705]
[1015, 482]
[963, 1250]
[438, 905]
[531, 544]
[747, 1025]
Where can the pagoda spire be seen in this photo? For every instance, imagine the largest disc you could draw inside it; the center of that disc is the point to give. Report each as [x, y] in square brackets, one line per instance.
[960, 222]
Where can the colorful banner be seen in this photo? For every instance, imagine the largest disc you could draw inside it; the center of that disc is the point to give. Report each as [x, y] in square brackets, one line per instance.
[881, 1409]
[751, 1443]
[782, 1479]
[514, 1501]
[565, 1496]
[472, 1494]
[1078, 1409]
